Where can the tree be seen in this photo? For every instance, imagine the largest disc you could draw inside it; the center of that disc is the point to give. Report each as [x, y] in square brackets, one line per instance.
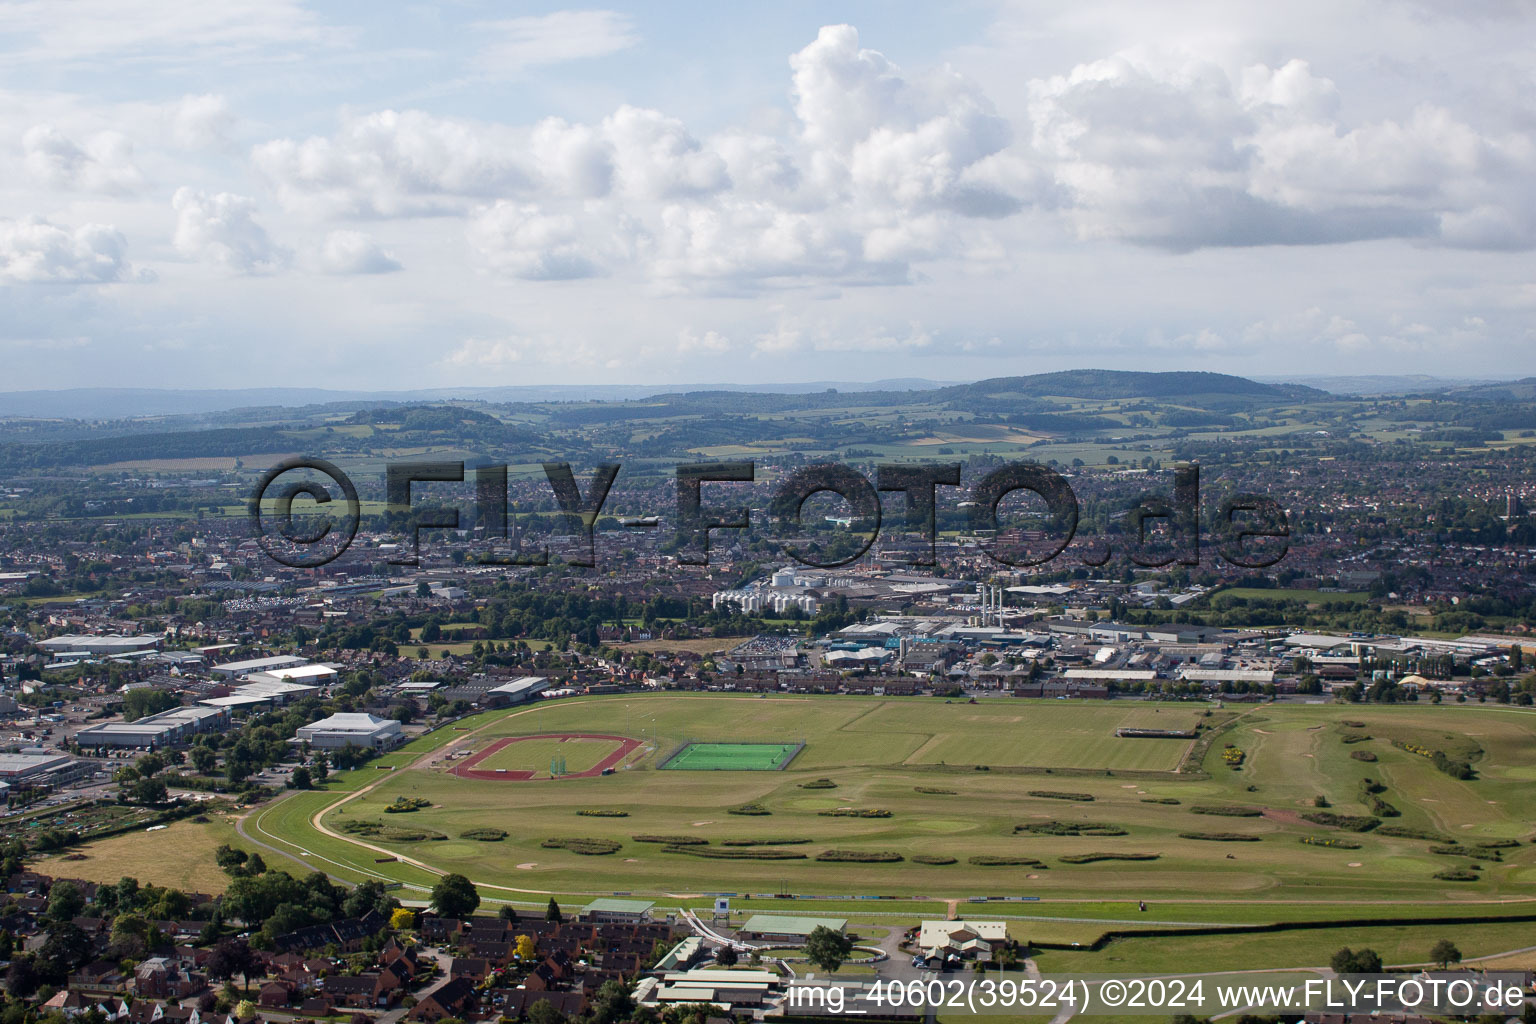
[1362, 961]
[204, 760]
[66, 948]
[526, 948]
[552, 912]
[544, 1012]
[147, 700]
[1445, 952]
[129, 937]
[827, 948]
[230, 859]
[455, 896]
[612, 1003]
[149, 791]
[402, 919]
[22, 978]
[507, 913]
[229, 958]
[65, 902]
[366, 896]
[300, 779]
[245, 1009]
[726, 956]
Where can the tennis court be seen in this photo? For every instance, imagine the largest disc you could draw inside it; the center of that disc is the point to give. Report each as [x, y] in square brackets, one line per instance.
[733, 757]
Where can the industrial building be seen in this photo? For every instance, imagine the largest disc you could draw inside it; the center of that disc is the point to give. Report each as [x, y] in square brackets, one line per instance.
[236, 669]
[312, 675]
[99, 646]
[516, 691]
[41, 769]
[262, 690]
[171, 728]
[360, 730]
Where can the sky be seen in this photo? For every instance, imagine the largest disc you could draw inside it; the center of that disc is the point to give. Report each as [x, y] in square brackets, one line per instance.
[243, 193]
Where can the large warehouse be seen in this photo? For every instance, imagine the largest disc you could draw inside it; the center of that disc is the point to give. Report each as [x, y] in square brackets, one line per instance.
[48, 769]
[167, 729]
[99, 645]
[360, 730]
[236, 669]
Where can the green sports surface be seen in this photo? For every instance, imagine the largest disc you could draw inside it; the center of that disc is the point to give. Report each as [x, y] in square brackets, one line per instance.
[731, 757]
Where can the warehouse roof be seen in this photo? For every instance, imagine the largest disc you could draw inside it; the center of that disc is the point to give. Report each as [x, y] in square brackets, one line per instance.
[774, 924]
[606, 905]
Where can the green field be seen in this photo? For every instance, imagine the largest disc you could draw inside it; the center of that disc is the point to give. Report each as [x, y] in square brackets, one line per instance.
[1037, 781]
[1041, 759]
[730, 757]
[535, 755]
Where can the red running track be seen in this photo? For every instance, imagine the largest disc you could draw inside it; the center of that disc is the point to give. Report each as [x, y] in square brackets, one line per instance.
[467, 769]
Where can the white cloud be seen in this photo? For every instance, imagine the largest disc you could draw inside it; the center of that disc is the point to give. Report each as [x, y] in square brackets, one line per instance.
[522, 241]
[352, 252]
[516, 44]
[690, 342]
[656, 158]
[1110, 179]
[874, 176]
[392, 164]
[500, 353]
[1185, 157]
[201, 121]
[83, 29]
[104, 164]
[34, 251]
[572, 159]
[906, 142]
[221, 229]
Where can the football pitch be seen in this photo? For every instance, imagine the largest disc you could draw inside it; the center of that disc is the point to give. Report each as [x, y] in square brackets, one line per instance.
[732, 757]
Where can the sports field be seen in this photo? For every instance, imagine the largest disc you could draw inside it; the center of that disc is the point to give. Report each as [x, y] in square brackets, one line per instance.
[731, 757]
[579, 754]
[521, 758]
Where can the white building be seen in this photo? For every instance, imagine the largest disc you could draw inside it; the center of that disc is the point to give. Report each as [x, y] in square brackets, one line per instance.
[167, 729]
[360, 730]
[518, 690]
[100, 645]
[235, 669]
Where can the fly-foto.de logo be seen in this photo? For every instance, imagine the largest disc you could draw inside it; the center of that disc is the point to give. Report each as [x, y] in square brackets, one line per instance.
[1249, 530]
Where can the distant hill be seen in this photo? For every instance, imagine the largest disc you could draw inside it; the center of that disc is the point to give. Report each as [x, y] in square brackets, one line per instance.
[1378, 383]
[122, 403]
[1128, 384]
[1523, 390]
[636, 401]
